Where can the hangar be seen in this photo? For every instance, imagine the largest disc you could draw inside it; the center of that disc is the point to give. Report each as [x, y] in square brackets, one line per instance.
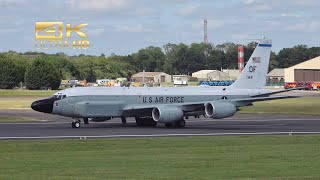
[151, 77]
[210, 75]
[305, 71]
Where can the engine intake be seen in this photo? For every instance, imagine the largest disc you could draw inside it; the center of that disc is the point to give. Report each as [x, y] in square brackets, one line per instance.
[166, 114]
[219, 110]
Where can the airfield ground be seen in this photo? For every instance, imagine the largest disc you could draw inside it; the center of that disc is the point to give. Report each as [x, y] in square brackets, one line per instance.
[271, 157]
[288, 156]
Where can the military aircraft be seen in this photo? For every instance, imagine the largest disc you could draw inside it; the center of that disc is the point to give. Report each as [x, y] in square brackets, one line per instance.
[168, 105]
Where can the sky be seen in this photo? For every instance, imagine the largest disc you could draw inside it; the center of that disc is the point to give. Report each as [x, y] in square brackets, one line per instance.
[124, 26]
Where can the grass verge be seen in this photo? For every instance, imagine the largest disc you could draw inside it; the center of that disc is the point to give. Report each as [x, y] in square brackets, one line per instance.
[271, 157]
[26, 93]
[303, 106]
[16, 103]
[16, 119]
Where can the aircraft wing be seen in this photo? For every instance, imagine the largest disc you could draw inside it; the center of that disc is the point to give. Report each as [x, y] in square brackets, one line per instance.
[197, 106]
[184, 106]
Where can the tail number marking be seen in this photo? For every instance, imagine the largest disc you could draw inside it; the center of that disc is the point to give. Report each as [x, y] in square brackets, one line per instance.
[252, 69]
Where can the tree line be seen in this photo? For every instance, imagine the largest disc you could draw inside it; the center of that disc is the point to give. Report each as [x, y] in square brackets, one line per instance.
[39, 70]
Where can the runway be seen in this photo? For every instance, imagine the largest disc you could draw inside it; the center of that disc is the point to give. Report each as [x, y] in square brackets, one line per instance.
[241, 124]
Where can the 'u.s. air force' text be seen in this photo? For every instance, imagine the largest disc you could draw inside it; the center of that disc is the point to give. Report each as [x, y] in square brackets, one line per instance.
[157, 99]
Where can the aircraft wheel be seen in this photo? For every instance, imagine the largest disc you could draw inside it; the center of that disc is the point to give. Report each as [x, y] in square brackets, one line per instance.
[150, 123]
[154, 123]
[180, 123]
[168, 125]
[123, 120]
[139, 121]
[86, 120]
[75, 124]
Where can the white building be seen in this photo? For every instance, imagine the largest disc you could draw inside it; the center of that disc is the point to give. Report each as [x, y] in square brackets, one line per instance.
[151, 77]
[210, 75]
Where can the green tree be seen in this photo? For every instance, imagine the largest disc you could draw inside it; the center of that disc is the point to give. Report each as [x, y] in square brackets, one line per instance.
[150, 59]
[19, 60]
[231, 53]
[273, 61]
[65, 67]
[215, 59]
[87, 66]
[42, 74]
[248, 50]
[291, 56]
[9, 74]
[170, 58]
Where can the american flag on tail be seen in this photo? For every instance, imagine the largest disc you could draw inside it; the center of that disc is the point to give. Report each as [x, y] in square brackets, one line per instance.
[256, 59]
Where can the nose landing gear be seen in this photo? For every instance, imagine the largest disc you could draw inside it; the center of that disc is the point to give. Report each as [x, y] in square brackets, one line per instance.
[76, 123]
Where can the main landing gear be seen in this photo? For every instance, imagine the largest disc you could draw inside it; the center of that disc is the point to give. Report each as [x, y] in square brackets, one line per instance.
[145, 122]
[123, 120]
[178, 124]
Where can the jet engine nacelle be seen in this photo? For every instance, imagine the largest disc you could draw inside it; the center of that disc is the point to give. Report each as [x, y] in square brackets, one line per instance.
[167, 114]
[219, 110]
[100, 119]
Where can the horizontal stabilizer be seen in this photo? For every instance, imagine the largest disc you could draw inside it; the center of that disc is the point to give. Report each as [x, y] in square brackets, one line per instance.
[249, 101]
[276, 92]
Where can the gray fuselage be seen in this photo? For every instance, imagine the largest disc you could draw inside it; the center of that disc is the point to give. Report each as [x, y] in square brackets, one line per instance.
[111, 101]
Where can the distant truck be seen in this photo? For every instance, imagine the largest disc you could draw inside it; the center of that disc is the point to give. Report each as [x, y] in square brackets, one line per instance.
[310, 85]
[65, 83]
[180, 82]
[76, 83]
[289, 85]
[103, 82]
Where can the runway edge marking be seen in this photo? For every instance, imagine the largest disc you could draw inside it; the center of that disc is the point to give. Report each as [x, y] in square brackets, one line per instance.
[190, 121]
[156, 135]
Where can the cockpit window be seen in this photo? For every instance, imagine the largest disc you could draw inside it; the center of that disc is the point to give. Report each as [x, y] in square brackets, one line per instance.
[60, 96]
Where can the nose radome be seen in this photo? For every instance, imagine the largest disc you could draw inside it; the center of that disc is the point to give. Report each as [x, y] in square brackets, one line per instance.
[43, 105]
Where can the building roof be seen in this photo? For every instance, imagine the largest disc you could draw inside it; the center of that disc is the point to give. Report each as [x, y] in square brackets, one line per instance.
[146, 74]
[121, 79]
[276, 72]
[203, 72]
[217, 72]
[180, 75]
[312, 63]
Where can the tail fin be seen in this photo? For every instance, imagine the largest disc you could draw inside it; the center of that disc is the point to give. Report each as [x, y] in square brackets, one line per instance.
[254, 74]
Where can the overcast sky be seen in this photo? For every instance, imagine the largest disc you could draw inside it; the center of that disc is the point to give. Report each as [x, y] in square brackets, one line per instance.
[125, 26]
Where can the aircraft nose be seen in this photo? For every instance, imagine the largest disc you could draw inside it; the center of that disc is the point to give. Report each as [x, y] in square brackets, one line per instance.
[43, 105]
